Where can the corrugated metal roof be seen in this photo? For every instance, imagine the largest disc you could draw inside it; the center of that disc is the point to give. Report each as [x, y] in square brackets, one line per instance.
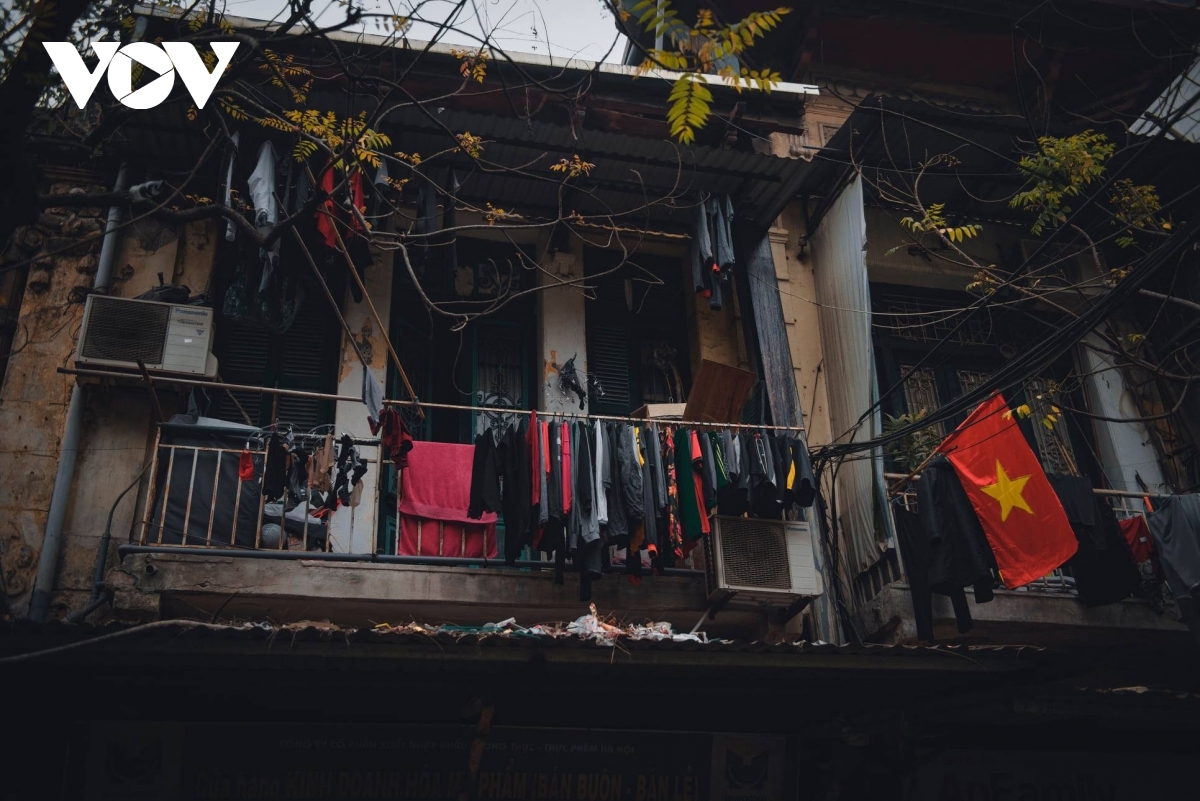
[442, 637]
[1178, 95]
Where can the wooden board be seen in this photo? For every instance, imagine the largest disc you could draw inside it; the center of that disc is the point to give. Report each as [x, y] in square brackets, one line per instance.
[719, 392]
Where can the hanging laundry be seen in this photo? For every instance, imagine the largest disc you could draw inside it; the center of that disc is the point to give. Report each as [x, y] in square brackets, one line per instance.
[649, 485]
[337, 207]
[433, 509]
[618, 522]
[297, 479]
[915, 550]
[320, 465]
[1175, 526]
[535, 458]
[274, 469]
[800, 482]
[246, 465]
[724, 244]
[394, 436]
[688, 467]
[600, 474]
[1137, 537]
[701, 236]
[1025, 524]
[630, 475]
[515, 475]
[958, 550]
[543, 473]
[567, 475]
[674, 552]
[267, 211]
[230, 160]
[712, 267]
[262, 188]
[554, 475]
[372, 397]
[1103, 568]
[485, 476]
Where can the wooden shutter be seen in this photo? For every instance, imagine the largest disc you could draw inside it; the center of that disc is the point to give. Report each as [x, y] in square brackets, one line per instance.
[609, 363]
[304, 358]
[243, 350]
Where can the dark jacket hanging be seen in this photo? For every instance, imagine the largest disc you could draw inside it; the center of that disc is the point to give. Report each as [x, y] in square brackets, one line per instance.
[485, 477]
[516, 473]
[1103, 568]
[959, 554]
[914, 550]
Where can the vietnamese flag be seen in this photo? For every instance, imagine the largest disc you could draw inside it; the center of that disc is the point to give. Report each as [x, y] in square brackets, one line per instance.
[1021, 515]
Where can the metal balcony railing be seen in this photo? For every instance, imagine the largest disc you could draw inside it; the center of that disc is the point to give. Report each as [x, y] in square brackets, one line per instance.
[197, 497]
[1059, 581]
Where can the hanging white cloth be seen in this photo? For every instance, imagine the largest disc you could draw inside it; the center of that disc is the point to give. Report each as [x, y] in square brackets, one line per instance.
[843, 290]
[262, 188]
[230, 158]
[1127, 451]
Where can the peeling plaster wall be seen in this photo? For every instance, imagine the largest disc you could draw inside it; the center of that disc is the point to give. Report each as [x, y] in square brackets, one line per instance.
[797, 291]
[118, 422]
[562, 328]
[356, 533]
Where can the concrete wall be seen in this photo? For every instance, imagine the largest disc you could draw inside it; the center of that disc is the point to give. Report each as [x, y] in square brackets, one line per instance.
[33, 398]
[354, 531]
[797, 291]
[118, 422]
[561, 326]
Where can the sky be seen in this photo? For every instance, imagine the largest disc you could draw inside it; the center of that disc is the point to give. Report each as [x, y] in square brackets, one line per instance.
[562, 28]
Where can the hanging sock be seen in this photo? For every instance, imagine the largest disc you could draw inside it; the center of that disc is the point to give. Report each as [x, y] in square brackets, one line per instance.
[246, 465]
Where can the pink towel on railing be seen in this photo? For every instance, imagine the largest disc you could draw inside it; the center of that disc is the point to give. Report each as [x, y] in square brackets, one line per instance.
[433, 507]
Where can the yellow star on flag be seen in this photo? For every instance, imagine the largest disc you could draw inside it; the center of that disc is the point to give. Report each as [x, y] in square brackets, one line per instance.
[1008, 492]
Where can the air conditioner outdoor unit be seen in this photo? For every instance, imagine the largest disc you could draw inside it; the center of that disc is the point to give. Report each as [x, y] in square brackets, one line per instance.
[168, 338]
[762, 561]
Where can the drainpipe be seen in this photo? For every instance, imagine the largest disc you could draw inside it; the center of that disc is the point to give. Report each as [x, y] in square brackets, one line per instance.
[39, 604]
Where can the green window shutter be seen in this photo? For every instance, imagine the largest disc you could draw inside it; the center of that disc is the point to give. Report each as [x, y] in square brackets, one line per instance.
[304, 358]
[243, 351]
[609, 364]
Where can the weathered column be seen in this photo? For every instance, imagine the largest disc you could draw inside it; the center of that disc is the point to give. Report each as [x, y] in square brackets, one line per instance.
[562, 328]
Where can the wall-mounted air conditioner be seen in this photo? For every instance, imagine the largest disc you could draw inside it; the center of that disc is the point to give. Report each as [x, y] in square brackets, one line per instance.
[762, 561]
[168, 338]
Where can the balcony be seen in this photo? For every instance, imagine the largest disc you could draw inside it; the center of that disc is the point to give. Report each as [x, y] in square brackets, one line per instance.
[208, 542]
[1046, 611]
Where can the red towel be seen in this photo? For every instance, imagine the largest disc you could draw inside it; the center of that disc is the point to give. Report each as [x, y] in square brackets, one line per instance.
[437, 491]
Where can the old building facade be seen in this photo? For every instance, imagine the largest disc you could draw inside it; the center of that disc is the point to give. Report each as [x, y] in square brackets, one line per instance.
[499, 283]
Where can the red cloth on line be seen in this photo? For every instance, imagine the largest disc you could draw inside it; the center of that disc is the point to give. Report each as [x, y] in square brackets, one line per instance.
[396, 439]
[437, 490]
[328, 209]
[697, 458]
[535, 461]
[1020, 513]
[1137, 534]
[566, 467]
[245, 465]
[546, 447]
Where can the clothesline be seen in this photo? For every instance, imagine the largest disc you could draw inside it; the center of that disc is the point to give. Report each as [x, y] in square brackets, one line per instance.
[1096, 490]
[299, 393]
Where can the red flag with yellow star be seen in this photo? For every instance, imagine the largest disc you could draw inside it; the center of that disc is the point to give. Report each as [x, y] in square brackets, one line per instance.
[1020, 513]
